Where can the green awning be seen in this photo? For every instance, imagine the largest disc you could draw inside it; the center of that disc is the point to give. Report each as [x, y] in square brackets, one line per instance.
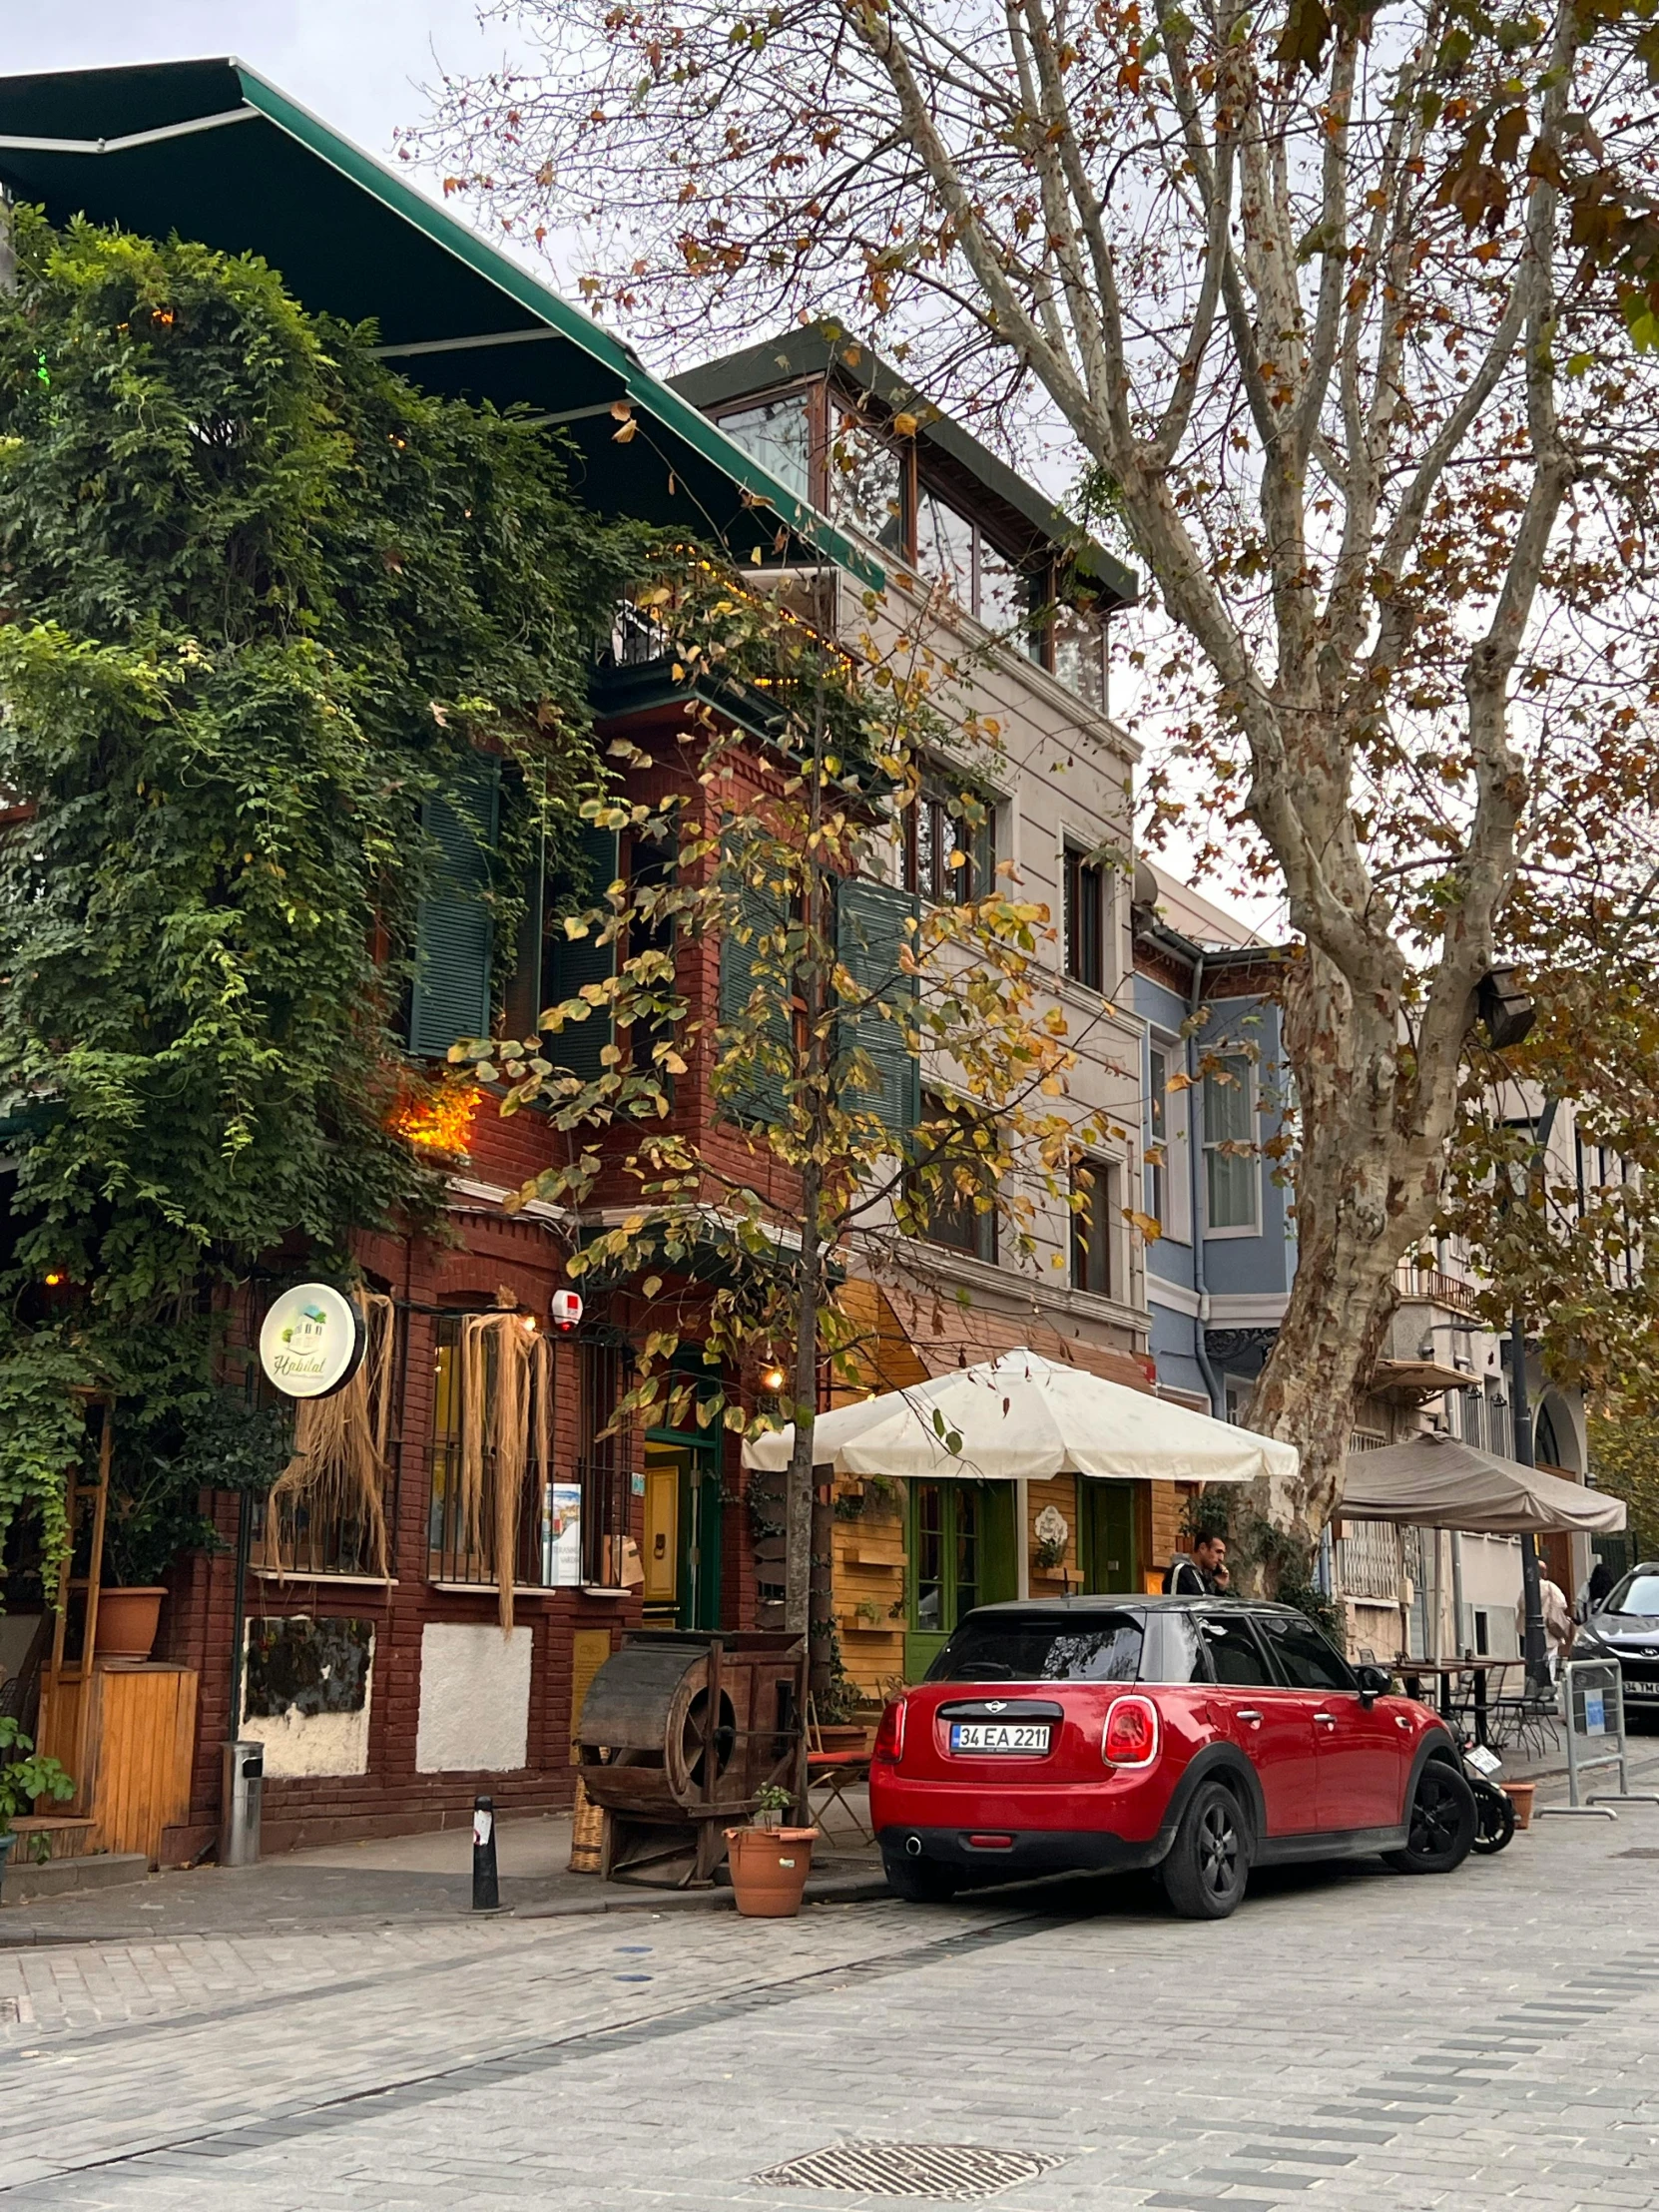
[209, 150]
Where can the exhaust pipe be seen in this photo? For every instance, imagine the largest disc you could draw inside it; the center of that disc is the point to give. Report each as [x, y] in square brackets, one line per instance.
[913, 1846]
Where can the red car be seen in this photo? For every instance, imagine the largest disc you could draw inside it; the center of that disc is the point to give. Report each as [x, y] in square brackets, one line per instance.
[1200, 1737]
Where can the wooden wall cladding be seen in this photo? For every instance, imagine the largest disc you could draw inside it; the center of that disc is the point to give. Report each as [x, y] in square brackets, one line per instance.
[140, 1735]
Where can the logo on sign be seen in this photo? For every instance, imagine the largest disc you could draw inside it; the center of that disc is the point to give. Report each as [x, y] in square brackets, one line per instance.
[311, 1341]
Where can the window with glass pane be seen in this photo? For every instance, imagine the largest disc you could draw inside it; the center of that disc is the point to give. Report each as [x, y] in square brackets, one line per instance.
[778, 434]
[1050, 1648]
[946, 1214]
[1157, 1119]
[1092, 1227]
[1230, 1177]
[949, 858]
[1080, 655]
[1308, 1661]
[968, 1549]
[460, 1535]
[866, 484]
[1085, 921]
[602, 1467]
[1004, 597]
[1236, 1658]
[944, 546]
[929, 1555]
[455, 1552]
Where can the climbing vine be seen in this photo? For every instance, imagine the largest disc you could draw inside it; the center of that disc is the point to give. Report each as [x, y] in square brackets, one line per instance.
[259, 600]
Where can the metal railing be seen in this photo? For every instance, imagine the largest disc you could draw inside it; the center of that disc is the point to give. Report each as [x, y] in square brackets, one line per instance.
[1592, 1709]
[1436, 1287]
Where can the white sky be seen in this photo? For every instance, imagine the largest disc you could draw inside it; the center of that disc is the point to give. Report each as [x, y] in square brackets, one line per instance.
[358, 63]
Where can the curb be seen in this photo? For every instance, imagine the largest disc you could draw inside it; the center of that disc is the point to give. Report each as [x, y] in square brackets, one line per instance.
[843, 1889]
[838, 1888]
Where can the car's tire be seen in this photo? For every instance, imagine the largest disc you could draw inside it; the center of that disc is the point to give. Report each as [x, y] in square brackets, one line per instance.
[1440, 1825]
[920, 1880]
[1494, 1819]
[1208, 1865]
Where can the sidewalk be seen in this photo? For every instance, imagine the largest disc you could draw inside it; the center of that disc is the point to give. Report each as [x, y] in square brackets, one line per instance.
[404, 1880]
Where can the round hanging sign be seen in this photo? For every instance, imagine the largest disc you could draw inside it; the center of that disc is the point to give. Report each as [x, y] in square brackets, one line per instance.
[313, 1340]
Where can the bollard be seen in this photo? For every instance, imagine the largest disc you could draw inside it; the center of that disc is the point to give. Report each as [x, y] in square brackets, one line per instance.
[487, 1891]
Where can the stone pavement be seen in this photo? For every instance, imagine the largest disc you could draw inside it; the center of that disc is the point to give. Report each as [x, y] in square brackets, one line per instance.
[424, 1879]
[1352, 2040]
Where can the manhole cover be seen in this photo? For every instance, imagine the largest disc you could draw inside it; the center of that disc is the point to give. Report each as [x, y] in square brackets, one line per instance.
[952, 2173]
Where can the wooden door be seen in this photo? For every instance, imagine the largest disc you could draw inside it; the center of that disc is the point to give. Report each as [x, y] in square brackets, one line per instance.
[1111, 1558]
[661, 1589]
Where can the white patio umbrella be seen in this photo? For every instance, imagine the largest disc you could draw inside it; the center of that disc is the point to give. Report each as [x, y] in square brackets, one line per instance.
[1022, 1418]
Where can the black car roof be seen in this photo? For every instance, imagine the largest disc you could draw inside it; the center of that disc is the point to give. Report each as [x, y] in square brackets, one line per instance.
[1128, 1601]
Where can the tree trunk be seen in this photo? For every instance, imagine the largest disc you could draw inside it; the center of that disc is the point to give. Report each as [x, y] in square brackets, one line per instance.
[1366, 1186]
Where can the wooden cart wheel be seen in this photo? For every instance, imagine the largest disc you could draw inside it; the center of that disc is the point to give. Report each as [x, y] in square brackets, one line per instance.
[695, 1733]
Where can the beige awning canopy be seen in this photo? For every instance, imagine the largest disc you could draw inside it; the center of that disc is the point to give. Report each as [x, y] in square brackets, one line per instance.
[1022, 1418]
[1439, 1483]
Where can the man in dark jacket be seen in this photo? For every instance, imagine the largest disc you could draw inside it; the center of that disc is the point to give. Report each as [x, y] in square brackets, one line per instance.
[1203, 1574]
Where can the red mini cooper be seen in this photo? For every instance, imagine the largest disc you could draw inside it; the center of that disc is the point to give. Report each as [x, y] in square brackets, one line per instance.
[1201, 1737]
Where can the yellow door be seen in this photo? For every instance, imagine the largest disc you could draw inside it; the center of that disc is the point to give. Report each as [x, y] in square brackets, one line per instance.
[662, 1527]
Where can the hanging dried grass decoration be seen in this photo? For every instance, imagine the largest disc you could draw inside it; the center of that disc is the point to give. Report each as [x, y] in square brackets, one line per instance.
[339, 1467]
[506, 1429]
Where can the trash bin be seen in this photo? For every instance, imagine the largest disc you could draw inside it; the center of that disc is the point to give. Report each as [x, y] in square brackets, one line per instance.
[238, 1821]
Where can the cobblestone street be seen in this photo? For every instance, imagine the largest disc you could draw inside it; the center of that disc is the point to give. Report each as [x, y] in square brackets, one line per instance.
[1354, 2040]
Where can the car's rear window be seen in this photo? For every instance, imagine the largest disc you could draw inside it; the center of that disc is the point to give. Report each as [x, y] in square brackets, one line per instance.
[1058, 1647]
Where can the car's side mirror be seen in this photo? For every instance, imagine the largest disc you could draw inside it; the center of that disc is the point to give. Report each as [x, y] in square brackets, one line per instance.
[1373, 1683]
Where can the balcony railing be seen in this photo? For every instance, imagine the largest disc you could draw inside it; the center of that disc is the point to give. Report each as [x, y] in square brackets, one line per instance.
[1432, 1286]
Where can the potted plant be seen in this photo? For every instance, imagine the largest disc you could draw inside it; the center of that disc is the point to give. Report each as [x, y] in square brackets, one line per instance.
[213, 1439]
[770, 1862]
[24, 1777]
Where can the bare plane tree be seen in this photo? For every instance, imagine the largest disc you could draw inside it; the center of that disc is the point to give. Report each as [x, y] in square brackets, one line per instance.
[1328, 305]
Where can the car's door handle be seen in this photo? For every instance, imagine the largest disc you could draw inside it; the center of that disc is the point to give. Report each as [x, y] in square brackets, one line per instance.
[1325, 1720]
[1249, 1712]
[1401, 1721]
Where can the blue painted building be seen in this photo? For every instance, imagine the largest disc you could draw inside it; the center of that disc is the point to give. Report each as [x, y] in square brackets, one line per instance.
[1214, 1081]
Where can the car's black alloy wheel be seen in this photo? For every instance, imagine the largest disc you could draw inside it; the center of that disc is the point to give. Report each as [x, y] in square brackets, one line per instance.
[1440, 1831]
[1207, 1865]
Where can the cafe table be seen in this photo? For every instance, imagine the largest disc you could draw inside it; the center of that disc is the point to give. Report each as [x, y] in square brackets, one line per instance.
[1445, 1673]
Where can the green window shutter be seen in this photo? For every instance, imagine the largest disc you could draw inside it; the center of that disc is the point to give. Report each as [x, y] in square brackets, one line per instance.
[455, 928]
[762, 1097]
[569, 963]
[870, 931]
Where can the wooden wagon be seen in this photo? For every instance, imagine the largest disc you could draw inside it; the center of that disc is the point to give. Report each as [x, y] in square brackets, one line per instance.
[679, 1732]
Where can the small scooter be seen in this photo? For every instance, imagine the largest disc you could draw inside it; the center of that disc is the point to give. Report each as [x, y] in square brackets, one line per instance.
[1494, 1815]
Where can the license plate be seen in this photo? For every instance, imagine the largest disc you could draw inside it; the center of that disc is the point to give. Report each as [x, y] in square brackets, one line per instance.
[1640, 1688]
[1000, 1738]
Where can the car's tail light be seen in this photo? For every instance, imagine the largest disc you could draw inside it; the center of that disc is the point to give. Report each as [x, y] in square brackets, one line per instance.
[1130, 1737]
[890, 1735]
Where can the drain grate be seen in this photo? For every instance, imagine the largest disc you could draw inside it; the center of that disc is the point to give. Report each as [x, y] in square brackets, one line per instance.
[950, 2174]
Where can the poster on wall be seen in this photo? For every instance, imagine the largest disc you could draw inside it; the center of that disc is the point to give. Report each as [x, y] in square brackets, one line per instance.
[562, 1566]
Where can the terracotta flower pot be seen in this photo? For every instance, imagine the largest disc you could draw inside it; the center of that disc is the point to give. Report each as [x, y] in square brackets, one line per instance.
[127, 1622]
[770, 1867]
[1520, 1796]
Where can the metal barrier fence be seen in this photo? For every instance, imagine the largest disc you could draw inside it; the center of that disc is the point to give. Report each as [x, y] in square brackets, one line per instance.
[1592, 1709]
